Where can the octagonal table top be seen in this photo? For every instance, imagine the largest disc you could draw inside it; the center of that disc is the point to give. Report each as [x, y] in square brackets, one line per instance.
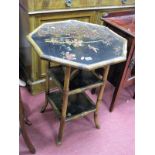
[78, 44]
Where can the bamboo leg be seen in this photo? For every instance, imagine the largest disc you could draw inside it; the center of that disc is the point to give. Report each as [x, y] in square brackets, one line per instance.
[65, 104]
[45, 105]
[100, 95]
[73, 74]
[47, 89]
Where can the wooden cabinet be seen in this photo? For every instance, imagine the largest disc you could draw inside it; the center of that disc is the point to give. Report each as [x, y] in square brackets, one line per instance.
[35, 5]
[35, 12]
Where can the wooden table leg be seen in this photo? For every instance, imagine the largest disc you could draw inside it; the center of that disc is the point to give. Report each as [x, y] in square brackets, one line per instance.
[100, 95]
[26, 120]
[120, 83]
[22, 126]
[65, 104]
[115, 95]
[47, 89]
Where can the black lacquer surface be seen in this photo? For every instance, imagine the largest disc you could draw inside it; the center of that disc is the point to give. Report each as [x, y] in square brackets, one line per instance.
[79, 43]
[77, 103]
[82, 79]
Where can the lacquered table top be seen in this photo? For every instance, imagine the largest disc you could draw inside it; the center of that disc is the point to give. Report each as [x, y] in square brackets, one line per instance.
[78, 44]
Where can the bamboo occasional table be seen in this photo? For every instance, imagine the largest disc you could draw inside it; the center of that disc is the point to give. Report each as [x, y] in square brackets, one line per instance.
[79, 48]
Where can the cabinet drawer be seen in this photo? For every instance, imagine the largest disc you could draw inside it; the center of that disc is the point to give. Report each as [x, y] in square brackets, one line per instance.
[113, 2]
[36, 5]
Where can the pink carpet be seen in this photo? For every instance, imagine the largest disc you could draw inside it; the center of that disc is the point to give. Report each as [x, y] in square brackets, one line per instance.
[115, 137]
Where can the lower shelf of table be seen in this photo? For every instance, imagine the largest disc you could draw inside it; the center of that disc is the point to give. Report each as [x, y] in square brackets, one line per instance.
[79, 82]
[79, 105]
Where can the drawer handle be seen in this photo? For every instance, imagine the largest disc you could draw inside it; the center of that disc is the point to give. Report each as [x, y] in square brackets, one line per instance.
[68, 3]
[123, 1]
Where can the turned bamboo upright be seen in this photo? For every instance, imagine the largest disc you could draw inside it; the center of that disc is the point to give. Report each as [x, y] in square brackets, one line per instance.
[65, 103]
[47, 88]
[100, 94]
